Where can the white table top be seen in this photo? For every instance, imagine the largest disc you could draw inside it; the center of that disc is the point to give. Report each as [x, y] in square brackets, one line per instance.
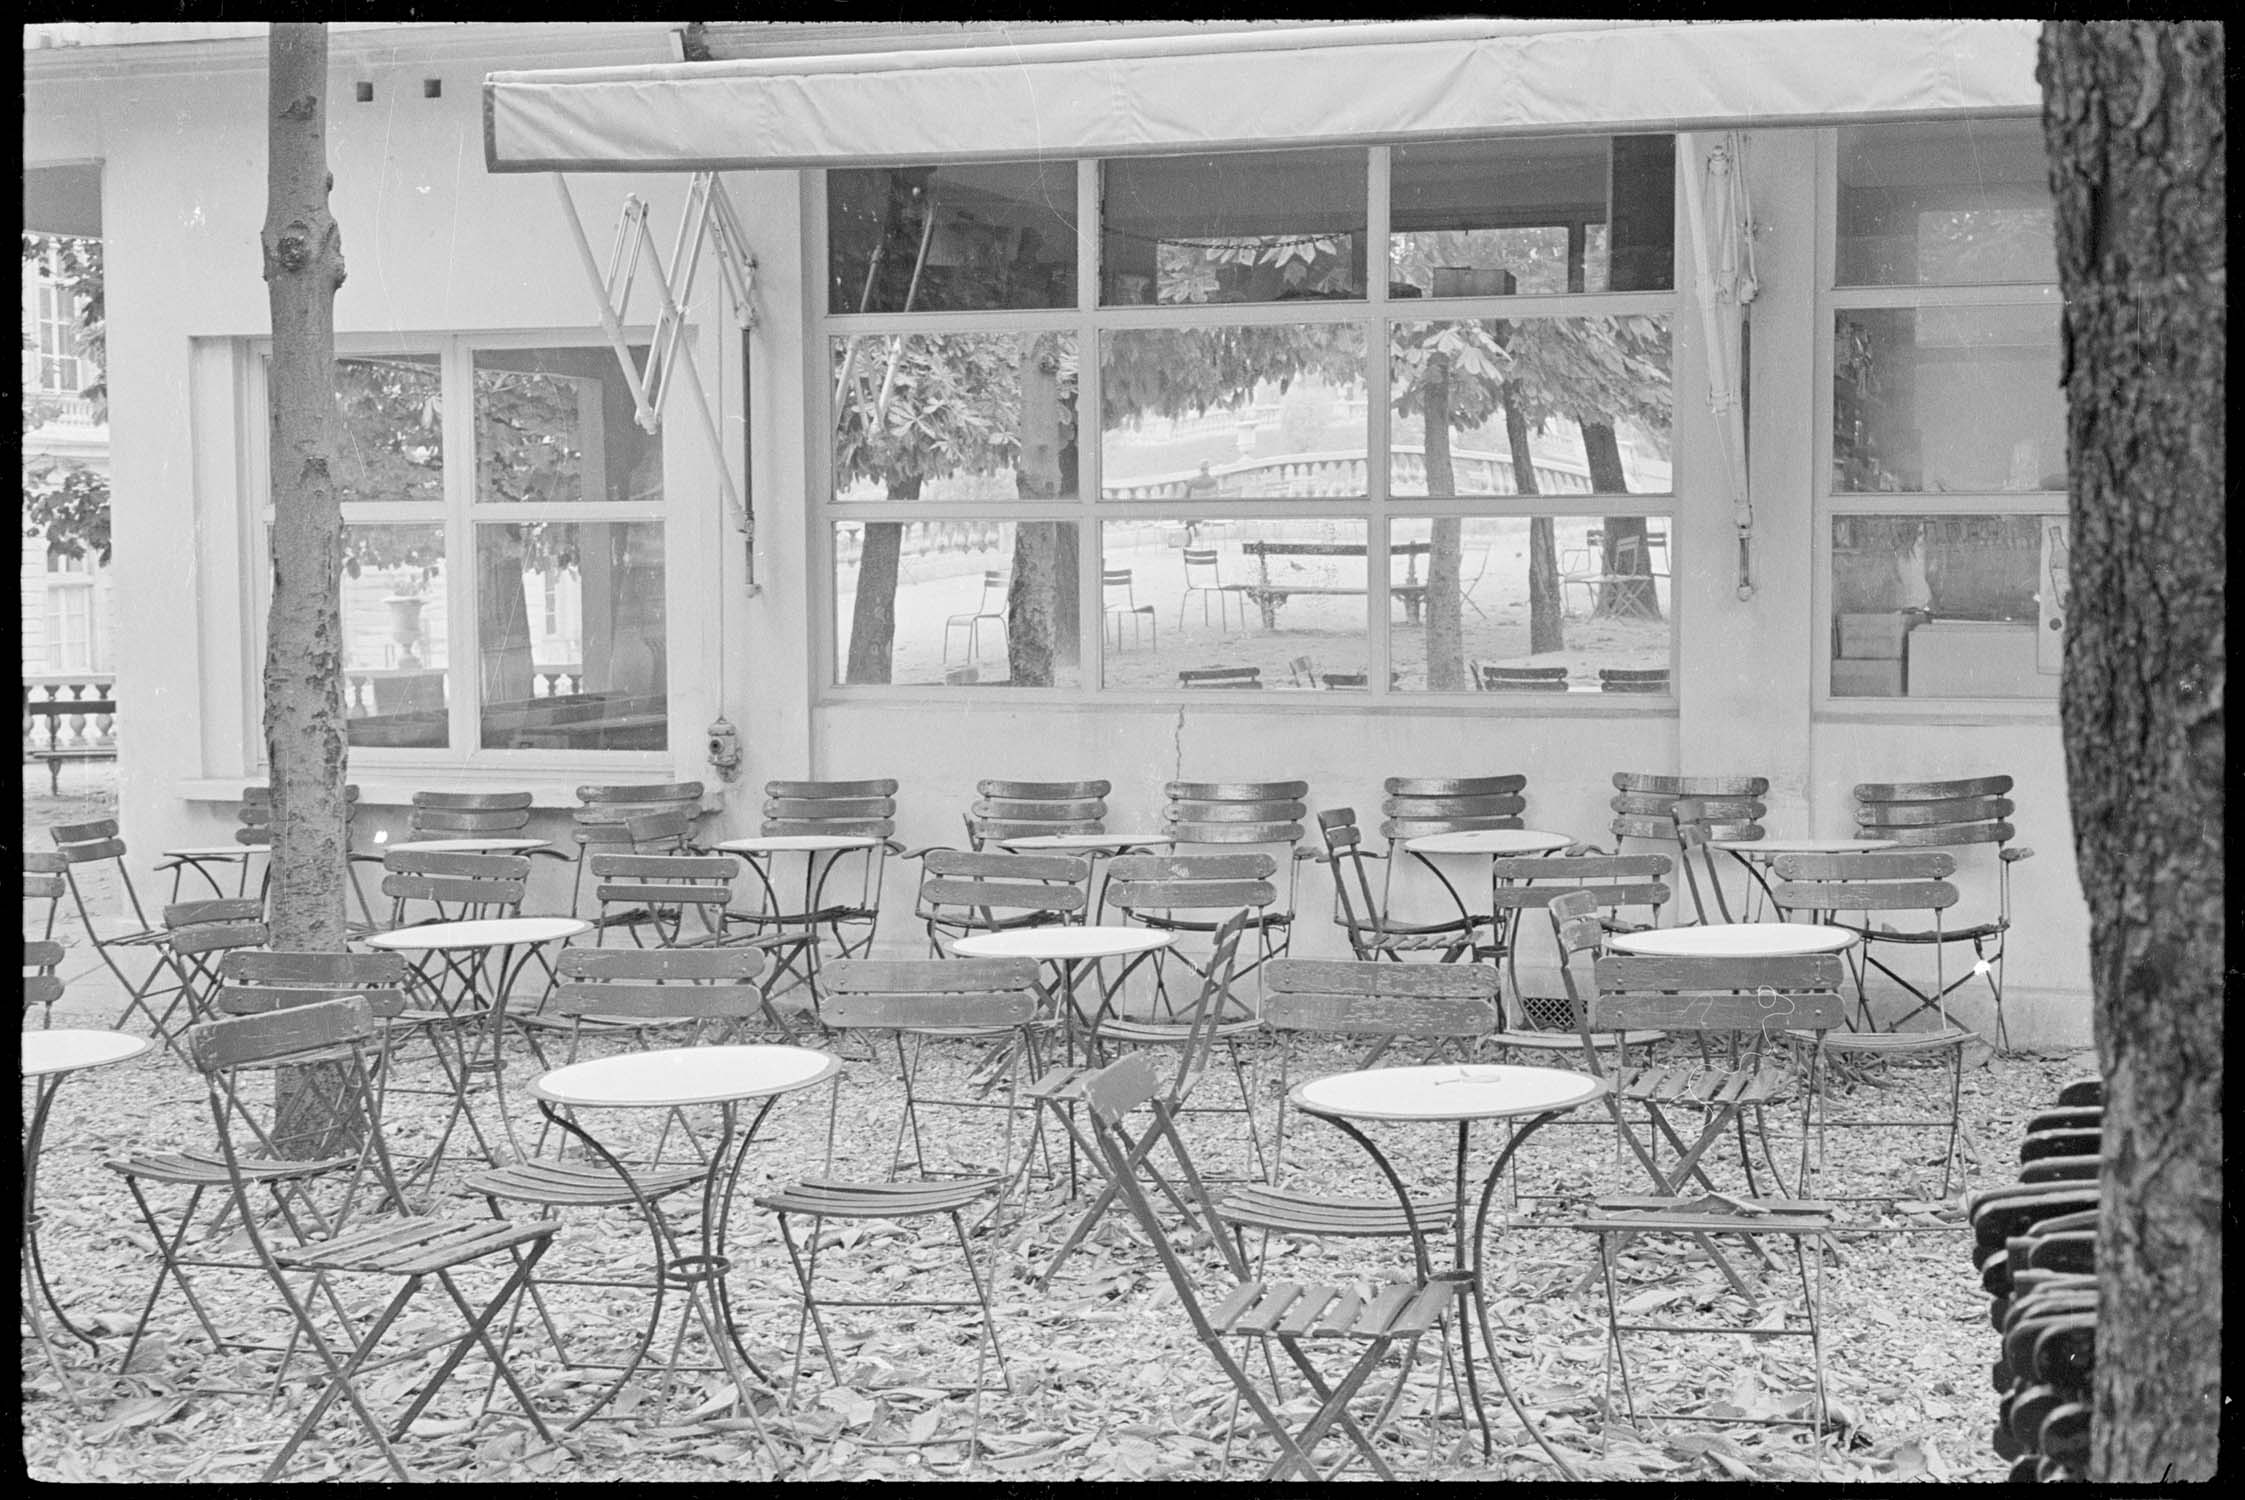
[799, 843]
[1453, 1091]
[46, 1052]
[1117, 841]
[1775, 847]
[489, 932]
[1489, 841]
[472, 845]
[217, 851]
[1062, 942]
[686, 1075]
[1734, 940]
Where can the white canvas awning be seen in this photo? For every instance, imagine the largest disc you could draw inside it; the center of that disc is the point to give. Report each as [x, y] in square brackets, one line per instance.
[1234, 90]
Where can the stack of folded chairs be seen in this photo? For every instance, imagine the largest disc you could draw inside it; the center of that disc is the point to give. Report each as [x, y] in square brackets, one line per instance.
[2036, 1245]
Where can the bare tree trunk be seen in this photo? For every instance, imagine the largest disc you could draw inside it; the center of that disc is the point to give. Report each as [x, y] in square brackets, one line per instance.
[873, 616]
[1546, 631]
[1444, 608]
[1625, 550]
[1032, 616]
[304, 743]
[2134, 113]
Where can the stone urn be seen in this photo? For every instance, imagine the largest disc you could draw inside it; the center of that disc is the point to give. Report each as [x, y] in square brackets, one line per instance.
[405, 626]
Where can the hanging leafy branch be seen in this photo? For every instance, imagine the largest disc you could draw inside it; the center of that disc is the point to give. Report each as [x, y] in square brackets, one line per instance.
[66, 502]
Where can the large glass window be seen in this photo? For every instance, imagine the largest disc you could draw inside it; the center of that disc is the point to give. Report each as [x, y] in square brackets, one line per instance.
[1271, 501]
[1948, 437]
[938, 239]
[555, 532]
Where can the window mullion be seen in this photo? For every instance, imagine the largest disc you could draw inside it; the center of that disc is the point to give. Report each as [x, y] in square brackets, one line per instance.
[463, 647]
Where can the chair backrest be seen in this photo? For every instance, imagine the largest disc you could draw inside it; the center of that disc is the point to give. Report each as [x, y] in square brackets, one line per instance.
[666, 885]
[1644, 805]
[1302, 671]
[964, 891]
[42, 986]
[1198, 558]
[655, 985]
[194, 928]
[460, 887]
[1019, 809]
[1905, 880]
[1937, 814]
[866, 808]
[1220, 677]
[1612, 881]
[1355, 907]
[1491, 678]
[939, 993]
[467, 814]
[1112, 1096]
[607, 816]
[44, 879]
[252, 981]
[1421, 805]
[96, 843]
[1361, 998]
[1139, 884]
[1770, 997]
[1234, 812]
[1632, 679]
[1111, 579]
[255, 815]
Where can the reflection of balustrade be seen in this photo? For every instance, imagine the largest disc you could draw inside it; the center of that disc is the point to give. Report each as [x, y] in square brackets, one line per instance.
[69, 711]
[922, 539]
[1342, 473]
[374, 690]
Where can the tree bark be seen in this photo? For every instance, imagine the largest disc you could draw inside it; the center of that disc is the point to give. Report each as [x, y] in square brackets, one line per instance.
[873, 616]
[1546, 630]
[1032, 617]
[1443, 607]
[2134, 115]
[304, 730]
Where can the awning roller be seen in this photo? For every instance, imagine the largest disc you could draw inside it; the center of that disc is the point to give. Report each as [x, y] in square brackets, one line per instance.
[1239, 90]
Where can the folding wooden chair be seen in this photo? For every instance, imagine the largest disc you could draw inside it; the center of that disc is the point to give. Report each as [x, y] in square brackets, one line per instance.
[234, 1056]
[604, 817]
[1727, 807]
[957, 996]
[93, 856]
[46, 881]
[963, 893]
[1025, 809]
[1961, 817]
[1369, 1323]
[200, 934]
[1520, 884]
[42, 986]
[657, 893]
[1372, 929]
[835, 909]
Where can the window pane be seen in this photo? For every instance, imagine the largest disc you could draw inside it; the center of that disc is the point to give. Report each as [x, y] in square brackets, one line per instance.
[954, 416]
[1947, 398]
[1256, 411]
[557, 425]
[1947, 606]
[1951, 202]
[395, 620]
[1534, 379]
[963, 603]
[1252, 226]
[1280, 603]
[1529, 217]
[585, 670]
[393, 428]
[1475, 617]
[935, 239]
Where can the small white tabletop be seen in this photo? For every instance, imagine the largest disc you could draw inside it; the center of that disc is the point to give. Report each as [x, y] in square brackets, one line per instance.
[1049, 943]
[1758, 848]
[490, 932]
[798, 843]
[1734, 940]
[677, 1076]
[1489, 841]
[46, 1052]
[472, 845]
[1454, 1091]
[1110, 841]
[218, 851]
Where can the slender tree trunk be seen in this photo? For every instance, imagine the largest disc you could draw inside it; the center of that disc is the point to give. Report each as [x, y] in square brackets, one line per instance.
[304, 744]
[873, 616]
[1444, 609]
[2134, 113]
[1625, 550]
[1546, 631]
[1032, 616]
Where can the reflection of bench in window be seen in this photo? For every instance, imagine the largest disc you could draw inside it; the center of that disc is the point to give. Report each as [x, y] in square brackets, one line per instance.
[1269, 595]
[579, 721]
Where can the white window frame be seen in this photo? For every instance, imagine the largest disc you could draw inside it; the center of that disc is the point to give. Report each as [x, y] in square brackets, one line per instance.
[1831, 300]
[459, 513]
[1086, 321]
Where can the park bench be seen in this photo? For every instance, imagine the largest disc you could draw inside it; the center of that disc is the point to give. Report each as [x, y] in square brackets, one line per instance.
[1269, 596]
[57, 731]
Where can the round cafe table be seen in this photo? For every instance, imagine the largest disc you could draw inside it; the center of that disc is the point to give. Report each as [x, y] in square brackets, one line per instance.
[676, 1078]
[1490, 843]
[1458, 1094]
[1086, 843]
[496, 845]
[821, 852]
[48, 1058]
[476, 965]
[1735, 940]
[1072, 950]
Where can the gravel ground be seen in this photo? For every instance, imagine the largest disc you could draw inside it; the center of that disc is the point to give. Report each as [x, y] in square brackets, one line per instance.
[1106, 1380]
